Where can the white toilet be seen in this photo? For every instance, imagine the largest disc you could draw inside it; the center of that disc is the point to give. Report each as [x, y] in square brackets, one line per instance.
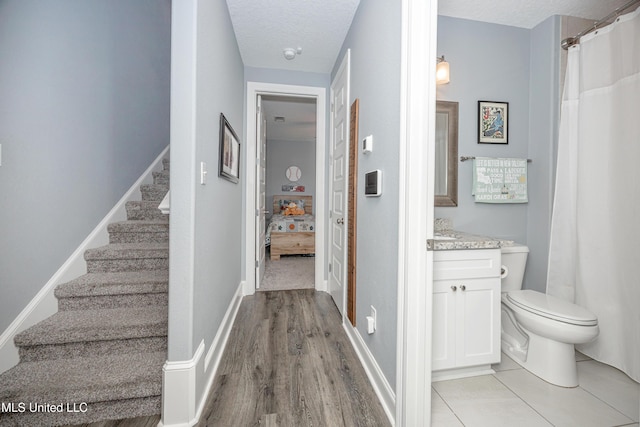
[539, 331]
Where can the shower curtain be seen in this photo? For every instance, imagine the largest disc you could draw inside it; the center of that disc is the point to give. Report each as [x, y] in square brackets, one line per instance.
[594, 255]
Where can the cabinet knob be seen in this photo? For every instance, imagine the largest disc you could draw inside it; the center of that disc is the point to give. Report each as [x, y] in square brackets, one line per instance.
[454, 288]
[463, 287]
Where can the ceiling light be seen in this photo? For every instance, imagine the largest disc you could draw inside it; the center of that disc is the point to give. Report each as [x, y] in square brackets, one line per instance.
[291, 53]
[442, 71]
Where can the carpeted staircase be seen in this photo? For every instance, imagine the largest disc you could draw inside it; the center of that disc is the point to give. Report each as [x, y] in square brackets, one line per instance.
[101, 356]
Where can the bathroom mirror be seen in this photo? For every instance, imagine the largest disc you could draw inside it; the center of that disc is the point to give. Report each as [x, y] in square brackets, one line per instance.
[446, 156]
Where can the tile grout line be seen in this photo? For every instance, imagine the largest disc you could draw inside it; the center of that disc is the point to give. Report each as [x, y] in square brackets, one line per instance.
[609, 405]
[433, 390]
[521, 398]
[605, 402]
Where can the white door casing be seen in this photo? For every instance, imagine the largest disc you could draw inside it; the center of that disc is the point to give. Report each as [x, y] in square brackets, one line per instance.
[338, 169]
[319, 94]
[261, 189]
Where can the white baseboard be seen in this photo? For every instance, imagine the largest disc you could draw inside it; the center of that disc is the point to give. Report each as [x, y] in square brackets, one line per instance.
[378, 381]
[322, 285]
[186, 384]
[179, 389]
[45, 304]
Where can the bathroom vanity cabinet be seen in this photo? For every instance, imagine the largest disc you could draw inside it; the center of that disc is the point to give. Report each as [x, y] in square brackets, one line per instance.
[466, 312]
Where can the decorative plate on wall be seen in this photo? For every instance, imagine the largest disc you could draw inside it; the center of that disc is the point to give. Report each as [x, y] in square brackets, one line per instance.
[293, 173]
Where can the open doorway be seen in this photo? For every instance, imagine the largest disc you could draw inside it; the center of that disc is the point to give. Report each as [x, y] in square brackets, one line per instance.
[283, 172]
[288, 157]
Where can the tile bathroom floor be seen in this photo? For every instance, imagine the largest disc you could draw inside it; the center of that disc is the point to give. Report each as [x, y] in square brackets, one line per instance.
[512, 396]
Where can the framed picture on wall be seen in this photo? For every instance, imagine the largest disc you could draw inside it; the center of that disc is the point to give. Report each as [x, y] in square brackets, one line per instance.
[229, 152]
[493, 122]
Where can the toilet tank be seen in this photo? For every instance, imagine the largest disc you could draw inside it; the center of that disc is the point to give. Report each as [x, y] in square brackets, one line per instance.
[514, 261]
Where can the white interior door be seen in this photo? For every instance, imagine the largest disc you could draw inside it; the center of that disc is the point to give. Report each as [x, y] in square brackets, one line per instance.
[261, 189]
[338, 184]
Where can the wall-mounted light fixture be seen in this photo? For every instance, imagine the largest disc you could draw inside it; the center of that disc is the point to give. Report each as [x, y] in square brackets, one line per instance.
[442, 71]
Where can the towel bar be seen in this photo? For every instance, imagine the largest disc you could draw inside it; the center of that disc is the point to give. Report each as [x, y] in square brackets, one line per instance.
[465, 158]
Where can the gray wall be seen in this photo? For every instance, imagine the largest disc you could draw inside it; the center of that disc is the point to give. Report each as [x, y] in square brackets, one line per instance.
[206, 227]
[530, 81]
[281, 155]
[84, 110]
[374, 39]
[488, 62]
[286, 77]
[544, 112]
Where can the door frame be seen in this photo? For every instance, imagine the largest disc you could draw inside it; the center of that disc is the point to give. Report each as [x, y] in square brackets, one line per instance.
[416, 210]
[319, 94]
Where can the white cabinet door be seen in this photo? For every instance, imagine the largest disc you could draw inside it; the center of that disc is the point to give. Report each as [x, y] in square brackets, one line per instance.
[478, 322]
[466, 309]
[444, 326]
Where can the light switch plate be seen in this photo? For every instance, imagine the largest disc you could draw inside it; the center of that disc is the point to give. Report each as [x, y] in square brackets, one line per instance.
[203, 173]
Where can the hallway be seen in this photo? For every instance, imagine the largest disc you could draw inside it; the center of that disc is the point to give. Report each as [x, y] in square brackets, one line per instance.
[288, 362]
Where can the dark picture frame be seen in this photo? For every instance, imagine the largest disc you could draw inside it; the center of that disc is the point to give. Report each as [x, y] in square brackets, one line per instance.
[229, 152]
[493, 122]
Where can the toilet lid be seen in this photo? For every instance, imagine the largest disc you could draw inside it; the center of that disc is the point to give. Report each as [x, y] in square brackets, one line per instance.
[552, 307]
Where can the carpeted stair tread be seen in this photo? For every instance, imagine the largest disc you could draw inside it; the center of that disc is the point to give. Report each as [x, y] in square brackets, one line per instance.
[139, 231]
[96, 325]
[138, 226]
[143, 210]
[162, 177]
[86, 379]
[119, 283]
[117, 251]
[152, 192]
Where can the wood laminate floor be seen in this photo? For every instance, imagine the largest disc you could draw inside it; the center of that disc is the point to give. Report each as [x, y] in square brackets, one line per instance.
[288, 362]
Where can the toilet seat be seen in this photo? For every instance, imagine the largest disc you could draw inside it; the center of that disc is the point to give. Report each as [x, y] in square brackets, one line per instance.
[552, 308]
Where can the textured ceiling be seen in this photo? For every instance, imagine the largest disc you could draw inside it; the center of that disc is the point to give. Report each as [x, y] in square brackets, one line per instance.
[264, 28]
[526, 14]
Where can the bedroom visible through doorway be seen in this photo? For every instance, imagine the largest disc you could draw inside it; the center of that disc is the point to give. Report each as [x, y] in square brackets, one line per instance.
[288, 158]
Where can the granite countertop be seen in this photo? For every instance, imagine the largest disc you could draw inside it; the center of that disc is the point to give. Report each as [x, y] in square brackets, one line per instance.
[445, 240]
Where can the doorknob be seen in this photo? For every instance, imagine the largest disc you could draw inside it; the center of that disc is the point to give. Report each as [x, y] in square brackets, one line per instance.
[340, 220]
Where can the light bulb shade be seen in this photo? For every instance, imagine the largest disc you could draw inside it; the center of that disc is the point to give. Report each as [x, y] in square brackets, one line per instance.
[289, 53]
[442, 72]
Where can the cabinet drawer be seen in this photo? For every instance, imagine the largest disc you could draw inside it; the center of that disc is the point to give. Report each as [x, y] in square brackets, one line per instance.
[466, 264]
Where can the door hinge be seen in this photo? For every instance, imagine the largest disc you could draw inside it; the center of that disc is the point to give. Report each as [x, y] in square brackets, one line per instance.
[257, 212]
[257, 263]
[329, 267]
[332, 106]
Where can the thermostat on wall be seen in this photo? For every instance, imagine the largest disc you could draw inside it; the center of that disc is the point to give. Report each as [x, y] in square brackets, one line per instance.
[373, 183]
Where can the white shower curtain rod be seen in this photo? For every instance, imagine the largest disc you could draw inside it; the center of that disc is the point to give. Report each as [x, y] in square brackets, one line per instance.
[570, 41]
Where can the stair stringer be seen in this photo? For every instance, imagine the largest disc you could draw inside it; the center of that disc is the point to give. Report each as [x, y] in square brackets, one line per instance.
[45, 304]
